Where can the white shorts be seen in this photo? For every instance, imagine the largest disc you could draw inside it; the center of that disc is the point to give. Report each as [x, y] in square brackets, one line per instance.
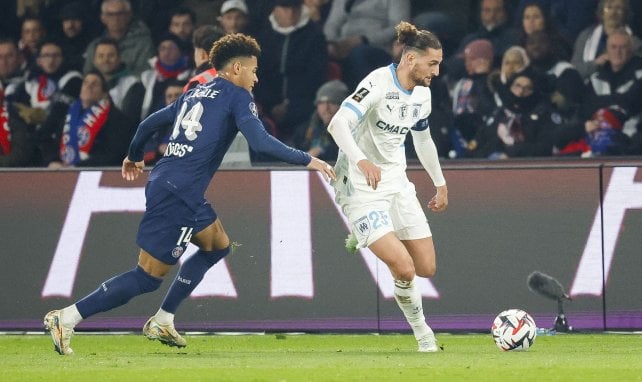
[398, 212]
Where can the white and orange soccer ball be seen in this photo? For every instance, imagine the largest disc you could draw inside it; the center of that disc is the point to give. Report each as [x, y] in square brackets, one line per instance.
[514, 330]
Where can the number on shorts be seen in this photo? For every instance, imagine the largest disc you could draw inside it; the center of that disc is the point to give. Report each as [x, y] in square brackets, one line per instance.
[378, 219]
[186, 236]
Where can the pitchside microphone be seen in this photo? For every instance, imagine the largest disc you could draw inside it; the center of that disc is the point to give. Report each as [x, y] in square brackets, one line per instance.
[548, 287]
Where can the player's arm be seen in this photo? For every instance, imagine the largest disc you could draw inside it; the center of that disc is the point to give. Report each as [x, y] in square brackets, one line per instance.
[427, 154]
[260, 140]
[133, 163]
[341, 125]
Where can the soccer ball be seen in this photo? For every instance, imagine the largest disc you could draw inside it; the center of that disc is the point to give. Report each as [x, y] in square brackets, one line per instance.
[514, 329]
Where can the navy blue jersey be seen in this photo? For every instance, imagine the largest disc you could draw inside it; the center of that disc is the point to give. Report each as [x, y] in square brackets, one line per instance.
[206, 120]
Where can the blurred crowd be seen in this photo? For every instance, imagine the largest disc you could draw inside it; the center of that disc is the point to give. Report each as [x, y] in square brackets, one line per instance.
[520, 78]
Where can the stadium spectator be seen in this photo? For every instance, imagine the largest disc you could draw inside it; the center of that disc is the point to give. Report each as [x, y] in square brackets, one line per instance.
[203, 39]
[94, 133]
[43, 99]
[233, 17]
[133, 37]
[360, 35]
[32, 32]
[514, 60]
[589, 50]
[568, 17]
[292, 66]
[155, 147]
[495, 27]
[472, 98]
[618, 81]
[17, 143]
[74, 33]
[563, 82]
[317, 140]
[522, 127]
[535, 19]
[182, 22]
[126, 90]
[601, 136]
[170, 62]
[12, 68]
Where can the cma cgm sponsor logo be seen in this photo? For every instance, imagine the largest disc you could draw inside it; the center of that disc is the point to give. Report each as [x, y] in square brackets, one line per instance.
[391, 128]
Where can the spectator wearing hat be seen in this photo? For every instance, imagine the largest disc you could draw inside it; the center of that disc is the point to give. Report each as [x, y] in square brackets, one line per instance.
[514, 60]
[317, 141]
[132, 35]
[602, 135]
[233, 17]
[472, 98]
[74, 33]
[292, 66]
[170, 62]
[522, 127]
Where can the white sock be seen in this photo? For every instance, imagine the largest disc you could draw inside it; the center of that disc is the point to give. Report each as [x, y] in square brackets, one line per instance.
[408, 298]
[164, 318]
[70, 316]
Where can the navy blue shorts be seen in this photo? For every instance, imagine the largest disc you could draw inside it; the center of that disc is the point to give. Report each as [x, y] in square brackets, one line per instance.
[169, 223]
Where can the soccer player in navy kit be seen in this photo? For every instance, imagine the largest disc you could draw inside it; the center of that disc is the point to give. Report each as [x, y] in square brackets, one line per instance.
[206, 120]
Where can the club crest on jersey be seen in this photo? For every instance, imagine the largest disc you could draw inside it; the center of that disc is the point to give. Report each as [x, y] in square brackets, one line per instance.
[253, 109]
[177, 252]
[403, 112]
[360, 94]
[363, 226]
[415, 111]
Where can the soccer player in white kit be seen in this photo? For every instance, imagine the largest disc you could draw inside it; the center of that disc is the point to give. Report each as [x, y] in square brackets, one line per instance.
[371, 184]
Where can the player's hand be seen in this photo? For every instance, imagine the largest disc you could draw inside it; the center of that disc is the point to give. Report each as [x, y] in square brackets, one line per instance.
[439, 202]
[323, 167]
[131, 170]
[371, 171]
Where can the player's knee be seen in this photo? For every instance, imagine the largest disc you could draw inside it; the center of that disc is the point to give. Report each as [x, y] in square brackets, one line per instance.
[213, 257]
[427, 271]
[146, 282]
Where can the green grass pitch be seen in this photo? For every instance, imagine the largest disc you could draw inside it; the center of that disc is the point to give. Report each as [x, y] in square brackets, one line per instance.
[317, 357]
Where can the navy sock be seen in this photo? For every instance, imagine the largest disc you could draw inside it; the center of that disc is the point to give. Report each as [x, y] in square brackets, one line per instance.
[118, 291]
[190, 275]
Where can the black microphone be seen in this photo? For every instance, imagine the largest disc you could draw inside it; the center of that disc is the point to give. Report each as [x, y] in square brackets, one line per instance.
[546, 286]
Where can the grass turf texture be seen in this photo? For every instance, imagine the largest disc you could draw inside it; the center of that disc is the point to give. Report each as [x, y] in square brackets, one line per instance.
[315, 357]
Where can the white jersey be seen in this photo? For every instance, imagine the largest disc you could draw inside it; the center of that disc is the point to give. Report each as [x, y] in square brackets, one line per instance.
[385, 114]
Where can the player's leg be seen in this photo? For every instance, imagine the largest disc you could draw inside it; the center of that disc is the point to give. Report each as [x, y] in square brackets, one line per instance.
[414, 233]
[144, 278]
[214, 245]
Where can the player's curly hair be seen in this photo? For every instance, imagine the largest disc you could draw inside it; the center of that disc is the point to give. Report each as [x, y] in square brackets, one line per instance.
[411, 37]
[232, 46]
